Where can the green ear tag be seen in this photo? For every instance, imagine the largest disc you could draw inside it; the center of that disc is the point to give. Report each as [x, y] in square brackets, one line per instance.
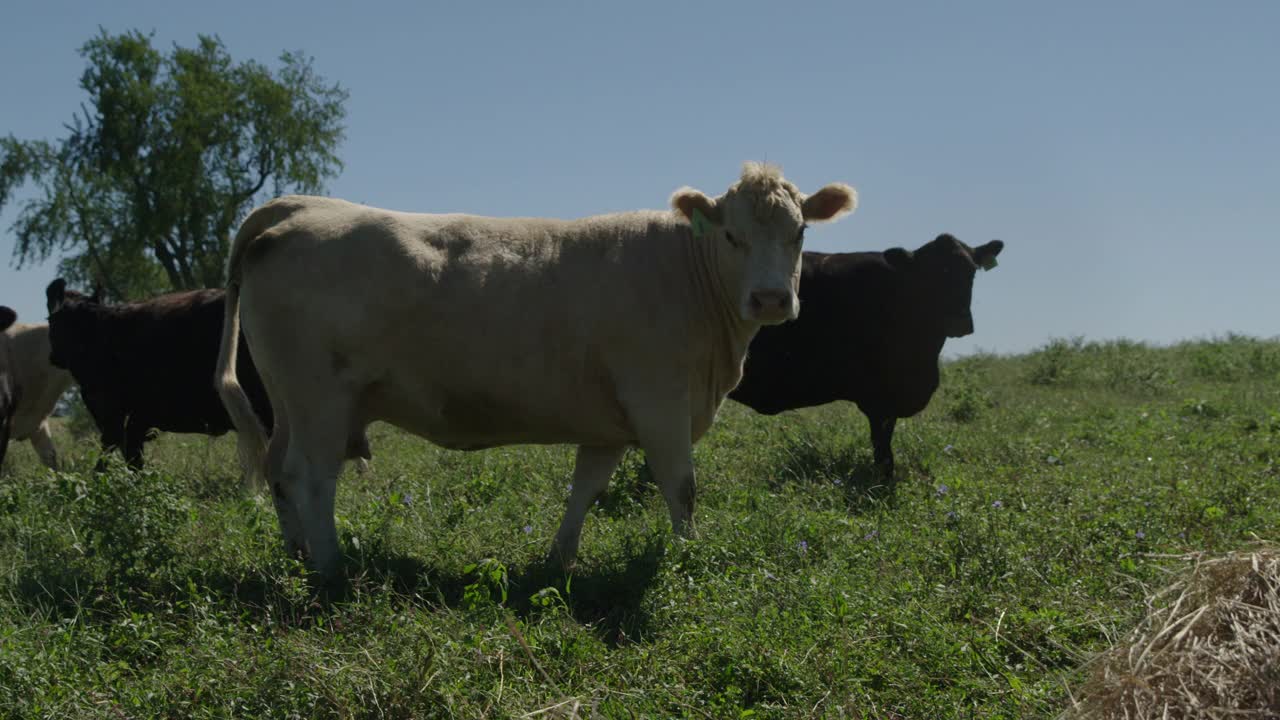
[701, 225]
[989, 263]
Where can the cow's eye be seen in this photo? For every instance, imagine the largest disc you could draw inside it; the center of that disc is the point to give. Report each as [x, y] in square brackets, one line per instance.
[800, 235]
[732, 240]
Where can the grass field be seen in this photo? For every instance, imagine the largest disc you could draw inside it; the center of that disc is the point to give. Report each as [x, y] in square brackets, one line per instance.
[1035, 501]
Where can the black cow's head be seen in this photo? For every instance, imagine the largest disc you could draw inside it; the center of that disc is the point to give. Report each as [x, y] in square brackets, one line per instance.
[7, 317]
[941, 278]
[73, 324]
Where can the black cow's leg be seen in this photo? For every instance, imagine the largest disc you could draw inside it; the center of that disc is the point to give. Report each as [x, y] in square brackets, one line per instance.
[111, 441]
[4, 438]
[133, 440]
[882, 442]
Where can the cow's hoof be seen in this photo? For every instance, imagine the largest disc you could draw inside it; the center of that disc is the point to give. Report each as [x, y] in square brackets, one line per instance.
[558, 560]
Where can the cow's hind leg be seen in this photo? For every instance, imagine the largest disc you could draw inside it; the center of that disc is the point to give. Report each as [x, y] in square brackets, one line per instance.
[273, 475]
[305, 485]
[4, 438]
[358, 450]
[42, 442]
[591, 473]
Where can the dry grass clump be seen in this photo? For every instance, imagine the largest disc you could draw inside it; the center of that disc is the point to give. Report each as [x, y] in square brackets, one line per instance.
[1209, 647]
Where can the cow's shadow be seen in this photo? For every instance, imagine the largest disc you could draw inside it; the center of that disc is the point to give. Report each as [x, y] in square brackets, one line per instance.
[863, 483]
[607, 598]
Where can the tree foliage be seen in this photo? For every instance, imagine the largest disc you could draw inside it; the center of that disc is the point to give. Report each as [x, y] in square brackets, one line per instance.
[165, 158]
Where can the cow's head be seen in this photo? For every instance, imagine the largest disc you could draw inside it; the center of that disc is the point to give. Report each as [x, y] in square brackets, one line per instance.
[7, 317]
[940, 278]
[72, 324]
[760, 224]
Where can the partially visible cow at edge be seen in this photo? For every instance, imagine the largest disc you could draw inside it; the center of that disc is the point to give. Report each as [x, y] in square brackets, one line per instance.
[148, 365]
[604, 332]
[10, 394]
[42, 385]
[873, 326]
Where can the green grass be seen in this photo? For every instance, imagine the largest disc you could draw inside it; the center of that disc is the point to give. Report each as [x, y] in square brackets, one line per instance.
[1034, 500]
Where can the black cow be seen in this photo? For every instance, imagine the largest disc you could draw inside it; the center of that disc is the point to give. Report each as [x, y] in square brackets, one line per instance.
[9, 390]
[870, 330]
[148, 365]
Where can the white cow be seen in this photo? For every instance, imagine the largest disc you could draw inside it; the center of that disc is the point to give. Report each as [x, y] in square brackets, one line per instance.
[605, 332]
[42, 384]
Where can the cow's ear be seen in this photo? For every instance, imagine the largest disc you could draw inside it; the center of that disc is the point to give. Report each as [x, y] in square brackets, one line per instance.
[985, 255]
[688, 201]
[829, 203]
[7, 317]
[55, 294]
[96, 298]
[898, 258]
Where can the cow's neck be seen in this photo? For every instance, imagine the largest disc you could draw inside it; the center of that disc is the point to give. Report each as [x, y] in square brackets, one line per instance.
[716, 318]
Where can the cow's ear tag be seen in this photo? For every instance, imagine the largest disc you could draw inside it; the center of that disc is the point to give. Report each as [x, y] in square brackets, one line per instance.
[701, 225]
[989, 263]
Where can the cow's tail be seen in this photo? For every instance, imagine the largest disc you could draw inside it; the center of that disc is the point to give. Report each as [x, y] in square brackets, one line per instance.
[252, 438]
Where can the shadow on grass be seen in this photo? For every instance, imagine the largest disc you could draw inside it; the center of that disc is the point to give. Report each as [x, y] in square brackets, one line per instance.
[606, 597]
[803, 460]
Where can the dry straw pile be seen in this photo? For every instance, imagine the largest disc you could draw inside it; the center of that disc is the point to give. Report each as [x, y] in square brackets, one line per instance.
[1209, 647]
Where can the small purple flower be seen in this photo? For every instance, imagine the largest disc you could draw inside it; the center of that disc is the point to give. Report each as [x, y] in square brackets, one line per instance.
[997, 504]
[569, 487]
[528, 529]
[407, 499]
[951, 514]
[949, 449]
[769, 575]
[1140, 535]
[804, 546]
[943, 489]
[871, 535]
[837, 482]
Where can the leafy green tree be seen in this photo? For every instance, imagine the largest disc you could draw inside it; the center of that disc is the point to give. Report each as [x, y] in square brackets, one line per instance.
[164, 160]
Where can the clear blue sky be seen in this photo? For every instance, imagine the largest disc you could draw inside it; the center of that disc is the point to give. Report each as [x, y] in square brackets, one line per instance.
[1127, 153]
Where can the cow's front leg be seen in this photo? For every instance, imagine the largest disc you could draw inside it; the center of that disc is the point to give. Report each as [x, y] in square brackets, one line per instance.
[882, 442]
[664, 431]
[591, 473]
[133, 440]
[111, 440]
[110, 423]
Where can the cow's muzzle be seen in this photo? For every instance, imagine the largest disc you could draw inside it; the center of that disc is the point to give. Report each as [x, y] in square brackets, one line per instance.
[770, 307]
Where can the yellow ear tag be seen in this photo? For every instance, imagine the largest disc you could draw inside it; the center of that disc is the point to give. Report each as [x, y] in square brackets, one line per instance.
[701, 225]
[989, 263]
